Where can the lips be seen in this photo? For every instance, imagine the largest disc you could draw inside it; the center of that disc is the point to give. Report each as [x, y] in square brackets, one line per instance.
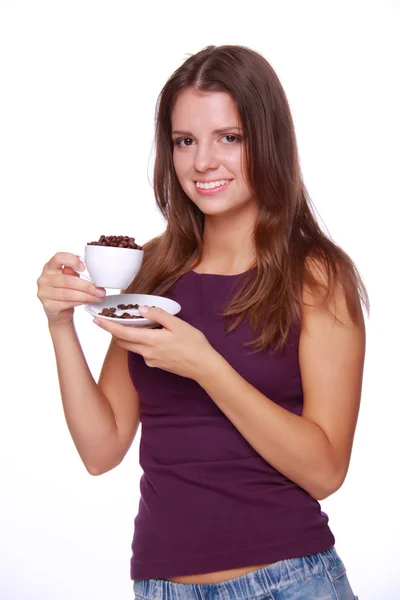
[210, 185]
[206, 188]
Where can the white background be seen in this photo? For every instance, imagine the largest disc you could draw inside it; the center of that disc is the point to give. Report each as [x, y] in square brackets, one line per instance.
[79, 82]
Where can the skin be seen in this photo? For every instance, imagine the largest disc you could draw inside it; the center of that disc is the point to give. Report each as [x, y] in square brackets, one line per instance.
[313, 449]
[208, 145]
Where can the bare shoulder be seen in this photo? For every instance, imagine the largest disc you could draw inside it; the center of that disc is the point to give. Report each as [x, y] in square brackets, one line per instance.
[331, 356]
[327, 318]
[334, 293]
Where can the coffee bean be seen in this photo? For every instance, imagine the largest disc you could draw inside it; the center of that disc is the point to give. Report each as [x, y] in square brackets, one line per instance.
[116, 241]
[111, 312]
[125, 306]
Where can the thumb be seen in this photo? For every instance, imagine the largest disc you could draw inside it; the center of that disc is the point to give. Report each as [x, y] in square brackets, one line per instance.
[158, 315]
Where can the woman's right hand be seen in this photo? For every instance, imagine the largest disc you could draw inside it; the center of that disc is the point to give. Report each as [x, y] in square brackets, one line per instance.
[60, 288]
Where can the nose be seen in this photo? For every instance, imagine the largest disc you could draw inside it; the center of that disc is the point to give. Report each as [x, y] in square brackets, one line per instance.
[205, 158]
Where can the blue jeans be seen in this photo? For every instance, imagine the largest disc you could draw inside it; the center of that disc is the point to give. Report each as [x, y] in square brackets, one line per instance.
[317, 577]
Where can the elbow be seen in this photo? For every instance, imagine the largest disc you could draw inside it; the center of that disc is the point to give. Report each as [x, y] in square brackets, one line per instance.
[326, 486]
[95, 471]
[107, 461]
[322, 493]
[100, 468]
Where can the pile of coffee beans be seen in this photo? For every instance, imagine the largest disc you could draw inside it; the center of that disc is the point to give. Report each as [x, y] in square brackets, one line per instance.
[110, 312]
[116, 241]
[126, 306]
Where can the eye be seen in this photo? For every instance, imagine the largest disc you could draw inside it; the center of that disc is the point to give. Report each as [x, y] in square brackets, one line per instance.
[231, 139]
[183, 142]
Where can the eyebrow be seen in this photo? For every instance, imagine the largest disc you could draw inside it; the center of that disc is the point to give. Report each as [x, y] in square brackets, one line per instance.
[217, 131]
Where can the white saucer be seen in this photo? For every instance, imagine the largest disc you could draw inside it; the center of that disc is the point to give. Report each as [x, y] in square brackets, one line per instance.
[166, 304]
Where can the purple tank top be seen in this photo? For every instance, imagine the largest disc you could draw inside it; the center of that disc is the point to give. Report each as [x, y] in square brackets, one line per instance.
[209, 502]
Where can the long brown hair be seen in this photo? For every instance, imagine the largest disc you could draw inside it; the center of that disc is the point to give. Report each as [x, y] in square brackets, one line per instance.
[288, 238]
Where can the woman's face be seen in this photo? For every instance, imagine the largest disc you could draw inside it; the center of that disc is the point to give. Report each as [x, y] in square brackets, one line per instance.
[209, 152]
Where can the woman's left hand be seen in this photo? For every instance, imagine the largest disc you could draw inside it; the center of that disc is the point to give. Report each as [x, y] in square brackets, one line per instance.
[179, 347]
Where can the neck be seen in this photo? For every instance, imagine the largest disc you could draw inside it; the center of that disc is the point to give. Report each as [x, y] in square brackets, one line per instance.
[228, 244]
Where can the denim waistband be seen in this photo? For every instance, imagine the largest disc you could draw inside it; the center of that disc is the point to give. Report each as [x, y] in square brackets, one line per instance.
[256, 584]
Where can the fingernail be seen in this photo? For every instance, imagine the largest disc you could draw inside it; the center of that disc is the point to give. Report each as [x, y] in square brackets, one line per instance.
[144, 309]
[96, 321]
[100, 293]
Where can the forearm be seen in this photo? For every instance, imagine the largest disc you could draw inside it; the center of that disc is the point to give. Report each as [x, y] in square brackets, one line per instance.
[295, 446]
[88, 413]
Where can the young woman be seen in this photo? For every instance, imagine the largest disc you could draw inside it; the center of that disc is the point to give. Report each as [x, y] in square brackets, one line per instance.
[248, 399]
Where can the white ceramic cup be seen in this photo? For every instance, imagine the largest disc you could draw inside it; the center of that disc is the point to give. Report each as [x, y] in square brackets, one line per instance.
[111, 267]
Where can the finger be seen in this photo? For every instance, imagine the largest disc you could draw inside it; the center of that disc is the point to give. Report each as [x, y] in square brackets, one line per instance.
[76, 283]
[69, 295]
[61, 287]
[64, 259]
[158, 315]
[133, 335]
[69, 271]
[136, 348]
[54, 307]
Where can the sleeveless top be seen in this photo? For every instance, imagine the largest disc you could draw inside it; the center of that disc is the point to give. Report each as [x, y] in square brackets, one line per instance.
[209, 502]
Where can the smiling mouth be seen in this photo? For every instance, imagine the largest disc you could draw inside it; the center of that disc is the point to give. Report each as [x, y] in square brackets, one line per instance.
[210, 185]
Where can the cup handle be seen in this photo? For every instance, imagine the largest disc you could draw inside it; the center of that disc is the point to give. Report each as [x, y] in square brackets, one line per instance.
[84, 274]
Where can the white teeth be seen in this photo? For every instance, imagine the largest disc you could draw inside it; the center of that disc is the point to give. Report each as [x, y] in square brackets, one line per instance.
[211, 184]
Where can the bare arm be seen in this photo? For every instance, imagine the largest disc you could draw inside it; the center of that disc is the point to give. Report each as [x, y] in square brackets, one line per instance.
[314, 449]
[102, 418]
